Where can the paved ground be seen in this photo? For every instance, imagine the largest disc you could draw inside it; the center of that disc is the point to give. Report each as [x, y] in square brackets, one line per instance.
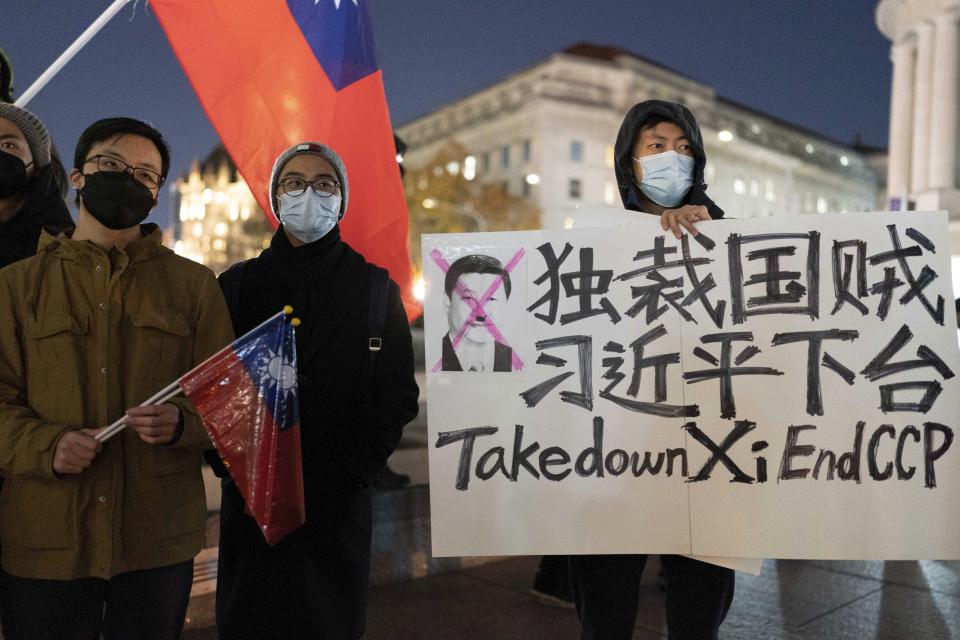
[789, 600]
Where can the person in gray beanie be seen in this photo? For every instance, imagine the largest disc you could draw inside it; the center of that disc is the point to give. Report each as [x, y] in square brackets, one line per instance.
[30, 197]
[357, 390]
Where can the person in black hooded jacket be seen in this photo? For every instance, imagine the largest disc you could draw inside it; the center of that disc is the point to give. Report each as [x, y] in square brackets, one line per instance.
[659, 162]
[30, 196]
[313, 583]
[30, 199]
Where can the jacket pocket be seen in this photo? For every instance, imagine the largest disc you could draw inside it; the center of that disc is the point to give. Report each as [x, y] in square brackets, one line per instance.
[170, 505]
[56, 342]
[39, 514]
[157, 460]
[158, 343]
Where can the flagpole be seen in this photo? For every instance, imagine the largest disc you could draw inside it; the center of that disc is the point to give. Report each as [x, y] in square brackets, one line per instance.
[173, 388]
[71, 51]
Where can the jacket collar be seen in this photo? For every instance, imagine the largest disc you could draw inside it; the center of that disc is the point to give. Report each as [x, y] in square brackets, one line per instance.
[147, 247]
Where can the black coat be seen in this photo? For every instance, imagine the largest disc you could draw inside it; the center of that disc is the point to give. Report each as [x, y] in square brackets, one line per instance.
[43, 206]
[313, 583]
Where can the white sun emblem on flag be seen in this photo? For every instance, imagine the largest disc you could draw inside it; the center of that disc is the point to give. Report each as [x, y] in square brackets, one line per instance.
[279, 371]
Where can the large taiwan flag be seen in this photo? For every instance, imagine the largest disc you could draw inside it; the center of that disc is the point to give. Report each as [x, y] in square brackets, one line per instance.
[246, 395]
[272, 73]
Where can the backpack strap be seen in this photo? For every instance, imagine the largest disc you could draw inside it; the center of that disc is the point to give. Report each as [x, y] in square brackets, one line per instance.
[379, 287]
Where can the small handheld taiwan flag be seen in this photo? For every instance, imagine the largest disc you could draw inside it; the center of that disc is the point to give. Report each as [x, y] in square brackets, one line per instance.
[246, 395]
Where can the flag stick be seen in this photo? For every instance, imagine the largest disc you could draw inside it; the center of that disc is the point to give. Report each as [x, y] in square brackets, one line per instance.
[173, 388]
[71, 51]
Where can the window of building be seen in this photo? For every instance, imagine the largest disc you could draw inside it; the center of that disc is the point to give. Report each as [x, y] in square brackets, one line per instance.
[611, 156]
[575, 189]
[505, 157]
[486, 162]
[754, 188]
[768, 192]
[526, 151]
[576, 151]
[821, 205]
[739, 186]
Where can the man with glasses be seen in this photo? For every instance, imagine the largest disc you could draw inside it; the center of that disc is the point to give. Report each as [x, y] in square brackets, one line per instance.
[100, 538]
[353, 406]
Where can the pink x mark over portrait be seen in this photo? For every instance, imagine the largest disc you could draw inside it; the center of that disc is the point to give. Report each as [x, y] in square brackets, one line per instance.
[476, 306]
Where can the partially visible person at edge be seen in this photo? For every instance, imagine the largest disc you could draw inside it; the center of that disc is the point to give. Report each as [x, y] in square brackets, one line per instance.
[313, 583]
[659, 161]
[98, 539]
[29, 194]
[30, 199]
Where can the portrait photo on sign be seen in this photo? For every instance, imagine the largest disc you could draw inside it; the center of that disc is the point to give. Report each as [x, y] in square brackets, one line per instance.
[478, 327]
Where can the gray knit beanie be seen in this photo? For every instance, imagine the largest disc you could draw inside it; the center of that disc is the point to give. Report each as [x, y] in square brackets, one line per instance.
[33, 130]
[318, 149]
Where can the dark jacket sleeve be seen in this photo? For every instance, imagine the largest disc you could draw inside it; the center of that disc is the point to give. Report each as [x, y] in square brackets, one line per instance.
[698, 196]
[394, 392]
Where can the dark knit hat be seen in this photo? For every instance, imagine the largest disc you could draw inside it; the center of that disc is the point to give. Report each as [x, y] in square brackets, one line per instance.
[33, 130]
[317, 149]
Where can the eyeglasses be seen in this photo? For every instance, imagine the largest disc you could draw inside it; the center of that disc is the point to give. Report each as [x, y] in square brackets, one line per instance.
[323, 187]
[147, 177]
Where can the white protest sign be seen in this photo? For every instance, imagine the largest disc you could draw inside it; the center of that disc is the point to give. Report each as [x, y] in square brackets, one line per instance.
[781, 387]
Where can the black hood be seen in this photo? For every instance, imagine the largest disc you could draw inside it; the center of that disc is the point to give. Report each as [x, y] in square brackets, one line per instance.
[639, 116]
[43, 206]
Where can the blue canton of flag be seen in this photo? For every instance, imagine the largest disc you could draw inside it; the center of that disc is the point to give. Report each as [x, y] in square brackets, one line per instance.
[270, 357]
[339, 33]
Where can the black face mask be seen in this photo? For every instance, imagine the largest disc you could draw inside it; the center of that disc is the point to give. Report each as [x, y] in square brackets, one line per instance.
[116, 199]
[13, 175]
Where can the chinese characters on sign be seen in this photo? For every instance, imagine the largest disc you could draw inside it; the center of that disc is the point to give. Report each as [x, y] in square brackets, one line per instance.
[740, 393]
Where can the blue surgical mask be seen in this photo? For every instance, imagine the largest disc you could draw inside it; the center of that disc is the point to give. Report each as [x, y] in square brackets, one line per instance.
[309, 216]
[667, 177]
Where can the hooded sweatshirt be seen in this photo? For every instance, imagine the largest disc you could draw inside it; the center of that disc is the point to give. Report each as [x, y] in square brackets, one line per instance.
[43, 206]
[636, 119]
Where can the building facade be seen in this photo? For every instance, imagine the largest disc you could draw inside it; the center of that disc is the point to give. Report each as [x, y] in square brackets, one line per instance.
[924, 165]
[924, 170]
[547, 133]
[215, 218]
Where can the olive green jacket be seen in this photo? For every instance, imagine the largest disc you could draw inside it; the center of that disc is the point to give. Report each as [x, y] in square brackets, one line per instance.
[84, 335]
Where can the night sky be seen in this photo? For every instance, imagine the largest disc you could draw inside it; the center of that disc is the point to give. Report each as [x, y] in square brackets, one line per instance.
[821, 64]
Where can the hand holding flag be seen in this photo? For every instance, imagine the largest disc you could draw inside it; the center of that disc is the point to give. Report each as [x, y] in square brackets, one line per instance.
[246, 394]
